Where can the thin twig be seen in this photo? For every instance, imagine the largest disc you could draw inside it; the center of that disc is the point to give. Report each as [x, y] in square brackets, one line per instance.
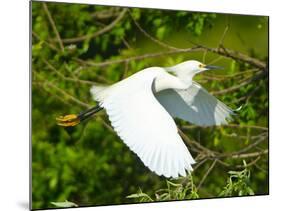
[249, 164]
[62, 92]
[215, 60]
[204, 56]
[151, 37]
[41, 87]
[223, 36]
[105, 14]
[53, 47]
[98, 33]
[50, 66]
[52, 22]
[262, 75]
[260, 168]
[206, 174]
[229, 125]
[199, 146]
[250, 146]
[199, 164]
[257, 63]
[67, 95]
[236, 56]
[106, 125]
[248, 155]
[134, 58]
[227, 77]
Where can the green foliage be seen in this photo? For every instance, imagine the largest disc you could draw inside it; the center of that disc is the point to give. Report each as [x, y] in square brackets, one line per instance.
[174, 191]
[238, 183]
[140, 197]
[165, 22]
[89, 164]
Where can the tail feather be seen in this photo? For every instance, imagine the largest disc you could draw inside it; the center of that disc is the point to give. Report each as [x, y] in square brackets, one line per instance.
[98, 92]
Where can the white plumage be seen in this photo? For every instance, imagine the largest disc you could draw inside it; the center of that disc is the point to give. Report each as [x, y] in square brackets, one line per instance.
[141, 107]
[195, 105]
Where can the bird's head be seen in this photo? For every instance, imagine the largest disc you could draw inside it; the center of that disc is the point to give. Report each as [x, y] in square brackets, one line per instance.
[190, 68]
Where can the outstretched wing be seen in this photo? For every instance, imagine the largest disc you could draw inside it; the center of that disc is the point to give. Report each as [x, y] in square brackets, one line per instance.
[147, 128]
[195, 105]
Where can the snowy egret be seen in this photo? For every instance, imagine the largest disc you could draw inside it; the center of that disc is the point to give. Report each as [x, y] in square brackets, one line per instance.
[141, 107]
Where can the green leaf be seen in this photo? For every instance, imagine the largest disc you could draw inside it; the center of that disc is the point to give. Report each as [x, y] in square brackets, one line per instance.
[161, 32]
[232, 66]
[216, 141]
[250, 191]
[136, 13]
[64, 204]
[137, 195]
[157, 22]
[173, 184]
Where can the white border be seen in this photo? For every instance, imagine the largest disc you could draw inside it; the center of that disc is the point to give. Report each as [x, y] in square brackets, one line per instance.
[14, 55]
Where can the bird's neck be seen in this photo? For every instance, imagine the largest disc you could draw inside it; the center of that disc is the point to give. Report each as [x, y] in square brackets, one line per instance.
[182, 74]
[168, 81]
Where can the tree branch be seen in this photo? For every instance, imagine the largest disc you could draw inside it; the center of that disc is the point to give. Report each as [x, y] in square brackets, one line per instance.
[50, 66]
[236, 56]
[251, 154]
[100, 32]
[52, 22]
[229, 125]
[135, 58]
[62, 92]
[151, 37]
[233, 88]
[206, 174]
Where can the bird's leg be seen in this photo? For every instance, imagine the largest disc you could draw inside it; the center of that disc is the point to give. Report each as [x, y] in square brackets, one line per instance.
[73, 119]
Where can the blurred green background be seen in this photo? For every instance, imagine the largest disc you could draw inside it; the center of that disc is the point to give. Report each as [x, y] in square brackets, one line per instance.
[75, 45]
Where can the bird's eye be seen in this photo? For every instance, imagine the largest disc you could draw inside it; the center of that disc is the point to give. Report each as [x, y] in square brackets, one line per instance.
[201, 65]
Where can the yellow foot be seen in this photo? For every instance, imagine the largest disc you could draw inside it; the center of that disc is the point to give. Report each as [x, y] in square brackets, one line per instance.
[68, 120]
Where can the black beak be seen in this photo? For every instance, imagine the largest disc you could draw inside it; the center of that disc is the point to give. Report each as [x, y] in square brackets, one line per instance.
[212, 67]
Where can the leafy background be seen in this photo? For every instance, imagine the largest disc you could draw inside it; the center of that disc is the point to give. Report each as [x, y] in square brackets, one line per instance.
[74, 45]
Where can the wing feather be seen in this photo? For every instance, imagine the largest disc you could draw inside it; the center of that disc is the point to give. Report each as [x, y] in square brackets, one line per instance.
[195, 105]
[146, 127]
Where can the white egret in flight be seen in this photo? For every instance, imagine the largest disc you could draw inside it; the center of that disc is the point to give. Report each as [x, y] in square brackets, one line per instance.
[141, 110]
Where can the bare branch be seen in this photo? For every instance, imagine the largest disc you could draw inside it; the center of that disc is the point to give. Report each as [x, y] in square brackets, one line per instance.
[251, 154]
[220, 50]
[52, 22]
[206, 174]
[100, 32]
[201, 162]
[66, 95]
[229, 125]
[151, 37]
[233, 88]
[76, 80]
[223, 36]
[250, 164]
[105, 14]
[236, 56]
[134, 58]
[207, 152]
[53, 47]
[41, 87]
[217, 77]
[250, 146]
